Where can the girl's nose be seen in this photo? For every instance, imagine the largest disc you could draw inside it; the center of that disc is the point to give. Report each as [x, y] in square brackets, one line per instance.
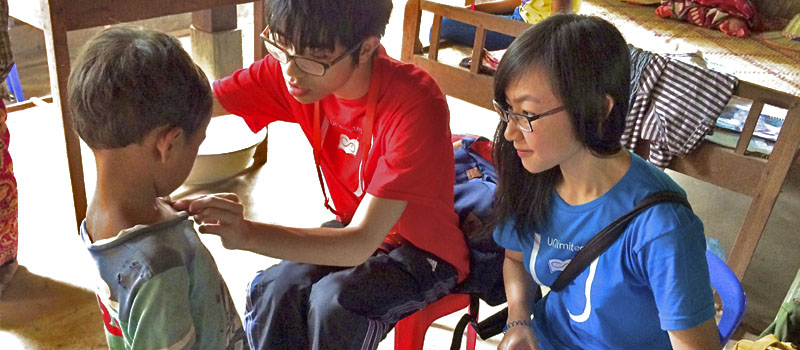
[512, 131]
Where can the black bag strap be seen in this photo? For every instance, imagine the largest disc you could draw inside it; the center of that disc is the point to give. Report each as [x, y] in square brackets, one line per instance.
[605, 238]
[596, 246]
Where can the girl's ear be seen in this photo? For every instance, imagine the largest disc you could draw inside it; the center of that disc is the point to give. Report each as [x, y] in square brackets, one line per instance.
[166, 142]
[609, 105]
[368, 47]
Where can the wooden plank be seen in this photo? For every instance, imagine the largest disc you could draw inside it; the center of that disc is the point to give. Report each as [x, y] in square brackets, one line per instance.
[766, 193]
[218, 19]
[766, 95]
[478, 19]
[436, 32]
[29, 103]
[749, 127]
[458, 82]
[55, 37]
[411, 22]
[722, 167]
[28, 11]
[477, 50]
[80, 14]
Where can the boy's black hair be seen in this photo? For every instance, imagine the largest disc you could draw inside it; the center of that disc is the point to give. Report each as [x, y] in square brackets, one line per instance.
[586, 59]
[129, 81]
[321, 24]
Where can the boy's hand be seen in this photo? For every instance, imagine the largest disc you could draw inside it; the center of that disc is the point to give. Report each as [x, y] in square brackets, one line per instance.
[220, 214]
[519, 338]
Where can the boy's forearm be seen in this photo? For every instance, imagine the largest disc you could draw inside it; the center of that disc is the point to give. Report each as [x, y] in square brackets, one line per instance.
[217, 109]
[347, 246]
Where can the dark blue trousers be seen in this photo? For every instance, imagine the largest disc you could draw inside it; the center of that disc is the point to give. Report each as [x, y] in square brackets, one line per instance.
[464, 34]
[302, 306]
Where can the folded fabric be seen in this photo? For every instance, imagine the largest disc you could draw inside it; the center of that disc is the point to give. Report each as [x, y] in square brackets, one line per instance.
[732, 17]
[768, 342]
[675, 106]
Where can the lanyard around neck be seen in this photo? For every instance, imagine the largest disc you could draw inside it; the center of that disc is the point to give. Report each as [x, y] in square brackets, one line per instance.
[364, 142]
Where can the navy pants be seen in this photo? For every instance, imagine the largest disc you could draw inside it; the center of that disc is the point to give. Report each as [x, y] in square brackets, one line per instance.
[464, 34]
[302, 306]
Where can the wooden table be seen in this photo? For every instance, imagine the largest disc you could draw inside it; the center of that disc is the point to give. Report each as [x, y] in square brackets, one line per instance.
[57, 17]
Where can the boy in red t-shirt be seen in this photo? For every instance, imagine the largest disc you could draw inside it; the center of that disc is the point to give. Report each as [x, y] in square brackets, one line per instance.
[380, 133]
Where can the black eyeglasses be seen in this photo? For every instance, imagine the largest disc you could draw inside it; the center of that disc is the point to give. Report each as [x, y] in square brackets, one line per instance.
[523, 121]
[307, 65]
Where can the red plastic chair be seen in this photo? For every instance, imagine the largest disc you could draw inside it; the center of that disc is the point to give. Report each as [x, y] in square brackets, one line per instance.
[409, 333]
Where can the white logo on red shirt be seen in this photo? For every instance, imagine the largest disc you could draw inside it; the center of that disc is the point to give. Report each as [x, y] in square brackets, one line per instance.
[347, 145]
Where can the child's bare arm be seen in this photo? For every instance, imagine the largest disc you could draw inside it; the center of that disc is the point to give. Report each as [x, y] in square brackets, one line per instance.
[561, 6]
[498, 7]
[521, 294]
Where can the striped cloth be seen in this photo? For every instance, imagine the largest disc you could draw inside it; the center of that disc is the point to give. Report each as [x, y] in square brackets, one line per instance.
[676, 104]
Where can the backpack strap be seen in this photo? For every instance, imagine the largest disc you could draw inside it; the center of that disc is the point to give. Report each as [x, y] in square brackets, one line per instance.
[601, 241]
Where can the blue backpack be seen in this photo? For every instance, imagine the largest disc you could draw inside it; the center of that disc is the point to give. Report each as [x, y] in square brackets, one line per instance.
[474, 195]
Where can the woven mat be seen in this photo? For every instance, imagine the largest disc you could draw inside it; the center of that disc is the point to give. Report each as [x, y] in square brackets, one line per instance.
[748, 59]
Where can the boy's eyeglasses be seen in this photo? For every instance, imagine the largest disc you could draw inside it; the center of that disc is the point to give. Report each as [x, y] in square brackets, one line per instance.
[523, 121]
[307, 65]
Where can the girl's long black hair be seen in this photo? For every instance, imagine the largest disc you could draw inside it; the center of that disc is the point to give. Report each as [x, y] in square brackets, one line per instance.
[586, 59]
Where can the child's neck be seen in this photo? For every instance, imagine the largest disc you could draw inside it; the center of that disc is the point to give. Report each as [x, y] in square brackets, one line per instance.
[125, 196]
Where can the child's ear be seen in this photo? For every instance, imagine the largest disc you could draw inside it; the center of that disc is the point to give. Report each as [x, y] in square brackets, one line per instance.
[368, 47]
[166, 142]
[609, 105]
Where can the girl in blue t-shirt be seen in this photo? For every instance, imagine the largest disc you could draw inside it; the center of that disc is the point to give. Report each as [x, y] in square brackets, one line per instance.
[562, 94]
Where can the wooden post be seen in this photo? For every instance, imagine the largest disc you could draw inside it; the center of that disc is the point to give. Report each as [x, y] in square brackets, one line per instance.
[216, 41]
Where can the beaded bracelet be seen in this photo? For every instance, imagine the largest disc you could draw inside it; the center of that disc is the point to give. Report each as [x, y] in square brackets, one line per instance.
[516, 323]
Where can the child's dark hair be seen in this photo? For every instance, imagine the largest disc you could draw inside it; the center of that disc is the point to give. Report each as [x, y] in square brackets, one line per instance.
[129, 81]
[586, 59]
[321, 24]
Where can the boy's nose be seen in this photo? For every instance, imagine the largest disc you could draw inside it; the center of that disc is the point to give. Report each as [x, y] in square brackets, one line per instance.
[292, 70]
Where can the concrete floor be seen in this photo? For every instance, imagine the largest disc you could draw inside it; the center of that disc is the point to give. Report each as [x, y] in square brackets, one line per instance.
[49, 304]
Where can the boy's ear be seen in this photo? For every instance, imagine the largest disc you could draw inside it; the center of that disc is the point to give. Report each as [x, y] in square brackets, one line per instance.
[166, 142]
[368, 47]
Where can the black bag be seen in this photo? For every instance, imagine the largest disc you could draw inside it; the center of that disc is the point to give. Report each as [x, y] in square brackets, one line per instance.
[596, 246]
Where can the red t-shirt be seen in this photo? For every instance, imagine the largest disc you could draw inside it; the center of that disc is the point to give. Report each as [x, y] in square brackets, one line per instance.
[411, 158]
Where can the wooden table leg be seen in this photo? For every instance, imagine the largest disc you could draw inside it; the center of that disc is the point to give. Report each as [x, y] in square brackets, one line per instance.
[260, 9]
[55, 34]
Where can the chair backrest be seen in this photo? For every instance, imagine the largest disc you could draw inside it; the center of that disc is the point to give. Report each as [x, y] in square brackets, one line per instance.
[731, 292]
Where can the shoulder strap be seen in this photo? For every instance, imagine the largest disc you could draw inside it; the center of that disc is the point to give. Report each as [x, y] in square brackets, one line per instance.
[601, 241]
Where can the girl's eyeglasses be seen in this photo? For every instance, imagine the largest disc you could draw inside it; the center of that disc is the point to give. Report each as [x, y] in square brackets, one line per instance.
[522, 121]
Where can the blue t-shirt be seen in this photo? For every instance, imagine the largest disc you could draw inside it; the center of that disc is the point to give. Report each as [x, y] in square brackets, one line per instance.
[653, 279]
